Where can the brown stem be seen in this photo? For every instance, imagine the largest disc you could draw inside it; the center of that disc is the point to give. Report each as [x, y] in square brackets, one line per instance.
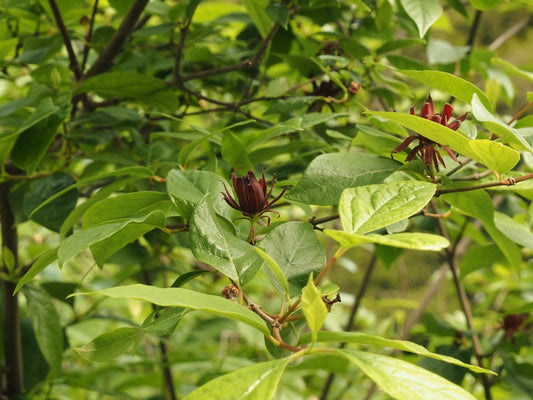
[170, 391]
[248, 63]
[467, 311]
[88, 37]
[74, 66]
[105, 60]
[349, 325]
[10, 310]
[504, 182]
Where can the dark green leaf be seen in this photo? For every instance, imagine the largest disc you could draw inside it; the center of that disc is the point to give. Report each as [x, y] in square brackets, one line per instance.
[54, 213]
[110, 345]
[46, 324]
[329, 174]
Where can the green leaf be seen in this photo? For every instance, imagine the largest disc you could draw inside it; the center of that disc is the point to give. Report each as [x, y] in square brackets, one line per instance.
[257, 381]
[423, 12]
[381, 342]
[278, 13]
[481, 151]
[407, 240]
[448, 83]
[484, 5]
[128, 84]
[163, 322]
[256, 9]
[478, 204]
[187, 188]
[39, 265]
[329, 174]
[56, 211]
[31, 145]
[179, 297]
[296, 249]
[368, 208]
[45, 109]
[313, 307]
[504, 131]
[235, 153]
[46, 325]
[214, 243]
[80, 240]
[8, 260]
[514, 230]
[110, 345]
[133, 171]
[281, 282]
[402, 380]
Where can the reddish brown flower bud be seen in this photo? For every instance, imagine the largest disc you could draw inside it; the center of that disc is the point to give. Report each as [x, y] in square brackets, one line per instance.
[252, 197]
[426, 148]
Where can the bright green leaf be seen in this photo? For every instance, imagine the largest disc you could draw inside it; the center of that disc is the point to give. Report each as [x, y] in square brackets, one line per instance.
[406, 240]
[313, 307]
[514, 230]
[482, 153]
[448, 83]
[179, 297]
[110, 345]
[281, 280]
[367, 208]
[213, 242]
[423, 12]
[257, 381]
[235, 153]
[403, 380]
[490, 122]
[381, 342]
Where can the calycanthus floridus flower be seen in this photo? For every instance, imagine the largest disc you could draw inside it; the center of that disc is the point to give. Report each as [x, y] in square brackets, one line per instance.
[428, 149]
[252, 198]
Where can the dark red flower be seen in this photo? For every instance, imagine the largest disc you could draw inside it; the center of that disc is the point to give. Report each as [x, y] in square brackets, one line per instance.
[428, 149]
[252, 197]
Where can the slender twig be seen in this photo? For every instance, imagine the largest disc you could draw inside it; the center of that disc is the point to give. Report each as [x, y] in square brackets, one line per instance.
[163, 350]
[317, 221]
[519, 113]
[88, 37]
[245, 64]
[351, 319]
[509, 34]
[504, 182]
[467, 311]
[10, 309]
[112, 50]
[74, 66]
[474, 29]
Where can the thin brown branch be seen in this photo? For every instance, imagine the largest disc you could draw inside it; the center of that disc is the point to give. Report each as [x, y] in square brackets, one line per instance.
[88, 37]
[245, 64]
[349, 325]
[74, 66]
[503, 182]
[112, 50]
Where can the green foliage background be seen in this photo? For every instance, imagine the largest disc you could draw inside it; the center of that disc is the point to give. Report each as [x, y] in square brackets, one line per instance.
[121, 122]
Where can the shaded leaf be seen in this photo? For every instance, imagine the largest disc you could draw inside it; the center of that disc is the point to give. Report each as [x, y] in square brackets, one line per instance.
[110, 345]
